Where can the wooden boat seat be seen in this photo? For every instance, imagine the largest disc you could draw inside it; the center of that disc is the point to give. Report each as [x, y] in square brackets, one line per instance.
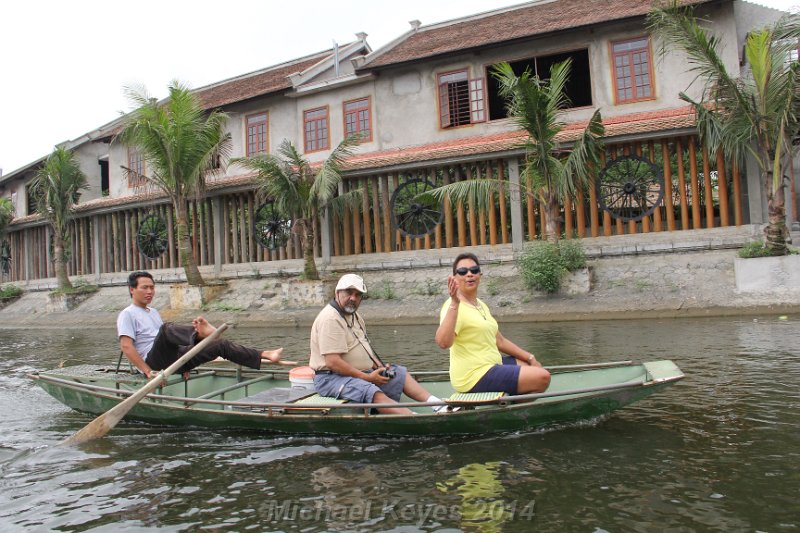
[467, 399]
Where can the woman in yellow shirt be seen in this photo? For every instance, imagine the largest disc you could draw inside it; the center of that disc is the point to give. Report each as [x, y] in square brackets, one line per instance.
[467, 327]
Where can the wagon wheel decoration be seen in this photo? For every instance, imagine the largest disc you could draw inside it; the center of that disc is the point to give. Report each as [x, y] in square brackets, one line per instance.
[270, 230]
[5, 257]
[152, 236]
[630, 188]
[414, 215]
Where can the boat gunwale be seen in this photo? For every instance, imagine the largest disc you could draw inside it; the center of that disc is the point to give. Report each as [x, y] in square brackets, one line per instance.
[520, 400]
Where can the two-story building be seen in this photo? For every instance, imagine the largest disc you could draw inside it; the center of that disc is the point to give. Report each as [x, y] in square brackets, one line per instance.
[429, 112]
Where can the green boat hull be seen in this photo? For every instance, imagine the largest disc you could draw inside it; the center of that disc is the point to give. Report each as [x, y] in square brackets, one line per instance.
[218, 398]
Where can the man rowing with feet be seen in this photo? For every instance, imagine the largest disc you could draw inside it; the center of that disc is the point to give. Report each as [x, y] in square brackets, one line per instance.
[150, 344]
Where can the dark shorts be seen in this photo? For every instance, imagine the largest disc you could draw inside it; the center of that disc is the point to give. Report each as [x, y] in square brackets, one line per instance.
[359, 390]
[500, 378]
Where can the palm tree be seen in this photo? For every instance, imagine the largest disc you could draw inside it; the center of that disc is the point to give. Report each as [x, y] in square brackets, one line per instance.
[548, 175]
[55, 189]
[181, 145]
[302, 191]
[754, 113]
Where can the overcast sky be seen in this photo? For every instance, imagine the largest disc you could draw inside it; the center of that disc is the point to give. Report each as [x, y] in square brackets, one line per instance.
[63, 64]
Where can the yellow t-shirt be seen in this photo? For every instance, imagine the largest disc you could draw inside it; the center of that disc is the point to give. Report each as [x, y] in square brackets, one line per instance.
[474, 350]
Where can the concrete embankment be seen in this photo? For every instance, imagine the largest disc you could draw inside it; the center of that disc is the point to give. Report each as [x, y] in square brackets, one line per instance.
[676, 274]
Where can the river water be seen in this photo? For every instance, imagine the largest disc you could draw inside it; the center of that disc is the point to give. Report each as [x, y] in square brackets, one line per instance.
[716, 452]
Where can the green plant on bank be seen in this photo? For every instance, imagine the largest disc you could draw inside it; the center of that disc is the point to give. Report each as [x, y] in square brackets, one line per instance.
[256, 272]
[78, 287]
[221, 306]
[493, 287]
[760, 249]
[572, 253]
[544, 264]
[429, 287]
[753, 110]
[385, 291]
[8, 292]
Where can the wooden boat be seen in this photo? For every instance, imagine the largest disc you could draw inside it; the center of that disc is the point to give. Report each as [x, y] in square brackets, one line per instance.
[232, 397]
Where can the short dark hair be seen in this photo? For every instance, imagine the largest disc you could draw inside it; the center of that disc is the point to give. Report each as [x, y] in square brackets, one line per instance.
[465, 255]
[133, 278]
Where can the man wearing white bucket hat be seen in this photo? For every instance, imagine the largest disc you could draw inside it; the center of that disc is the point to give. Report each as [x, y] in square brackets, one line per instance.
[346, 365]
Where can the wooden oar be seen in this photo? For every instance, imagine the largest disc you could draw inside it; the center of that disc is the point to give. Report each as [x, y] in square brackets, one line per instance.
[104, 423]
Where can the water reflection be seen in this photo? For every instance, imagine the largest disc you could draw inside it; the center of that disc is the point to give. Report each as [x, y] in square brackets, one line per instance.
[482, 507]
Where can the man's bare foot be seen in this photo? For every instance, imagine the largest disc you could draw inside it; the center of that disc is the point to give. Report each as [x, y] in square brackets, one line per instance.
[203, 327]
[273, 356]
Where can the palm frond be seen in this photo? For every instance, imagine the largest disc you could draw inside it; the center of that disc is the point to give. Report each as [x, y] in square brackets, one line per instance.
[178, 141]
[56, 187]
[583, 157]
[476, 192]
[678, 26]
[346, 201]
[6, 213]
[329, 174]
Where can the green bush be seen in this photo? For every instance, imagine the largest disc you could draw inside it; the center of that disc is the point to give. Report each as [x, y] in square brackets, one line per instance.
[493, 287]
[9, 291]
[544, 264]
[385, 291]
[572, 253]
[754, 249]
[79, 286]
[429, 287]
[542, 267]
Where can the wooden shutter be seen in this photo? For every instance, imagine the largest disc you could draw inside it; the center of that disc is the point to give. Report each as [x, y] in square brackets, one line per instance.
[477, 102]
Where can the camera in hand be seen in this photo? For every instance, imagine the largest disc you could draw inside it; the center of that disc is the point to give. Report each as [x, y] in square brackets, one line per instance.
[389, 372]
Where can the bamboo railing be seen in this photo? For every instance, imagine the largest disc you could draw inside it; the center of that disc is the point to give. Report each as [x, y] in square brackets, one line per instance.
[700, 191]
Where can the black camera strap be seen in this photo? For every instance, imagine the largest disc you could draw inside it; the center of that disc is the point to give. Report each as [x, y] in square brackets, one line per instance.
[367, 347]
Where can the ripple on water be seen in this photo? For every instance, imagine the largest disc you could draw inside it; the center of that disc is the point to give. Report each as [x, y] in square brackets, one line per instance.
[729, 429]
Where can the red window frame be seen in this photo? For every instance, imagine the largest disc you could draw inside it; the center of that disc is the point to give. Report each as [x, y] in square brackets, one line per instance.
[462, 100]
[316, 133]
[632, 70]
[136, 169]
[257, 126]
[358, 118]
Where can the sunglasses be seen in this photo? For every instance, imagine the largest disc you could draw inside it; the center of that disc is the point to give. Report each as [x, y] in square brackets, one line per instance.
[463, 270]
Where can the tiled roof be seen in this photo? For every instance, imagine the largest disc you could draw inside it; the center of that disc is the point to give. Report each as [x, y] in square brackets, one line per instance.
[268, 80]
[508, 24]
[639, 123]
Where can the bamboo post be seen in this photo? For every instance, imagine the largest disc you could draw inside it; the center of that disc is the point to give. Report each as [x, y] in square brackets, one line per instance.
[387, 214]
[722, 179]
[682, 185]
[399, 241]
[492, 211]
[737, 194]
[365, 218]
[709, 195]
[594, 215]
[245, 254]
[503, 207]
[669, 207]
[376, 215]
[448, 212]
[696, 222]
[460, 214]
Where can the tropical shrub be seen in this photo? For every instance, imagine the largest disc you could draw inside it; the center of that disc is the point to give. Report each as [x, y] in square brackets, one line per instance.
[544, 264]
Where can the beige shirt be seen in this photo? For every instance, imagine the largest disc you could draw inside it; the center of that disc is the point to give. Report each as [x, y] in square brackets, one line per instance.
[332, 334]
